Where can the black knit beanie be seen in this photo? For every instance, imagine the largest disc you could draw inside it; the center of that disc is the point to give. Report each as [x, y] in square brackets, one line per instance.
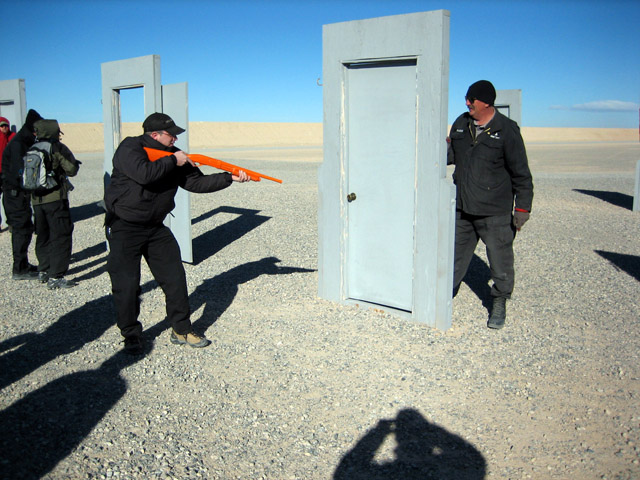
[482, 90]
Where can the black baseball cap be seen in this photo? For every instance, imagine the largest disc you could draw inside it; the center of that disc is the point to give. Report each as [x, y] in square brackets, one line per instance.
[158, 122]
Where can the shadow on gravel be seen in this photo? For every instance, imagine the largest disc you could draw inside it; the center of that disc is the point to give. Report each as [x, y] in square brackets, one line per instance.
[624, 262]
[84, 212]
[46, 425]
[100, 263]
[477, 278]
[66, 335]
[86, 254]
[218, 292]
[211, 242]
[89, 252]
[618, 199]
[16, 341]
[423, 451]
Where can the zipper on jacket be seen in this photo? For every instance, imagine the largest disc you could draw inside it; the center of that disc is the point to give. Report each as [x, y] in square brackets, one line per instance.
[472, 131]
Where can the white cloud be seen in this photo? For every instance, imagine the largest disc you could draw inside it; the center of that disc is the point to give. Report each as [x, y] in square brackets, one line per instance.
[601, 106]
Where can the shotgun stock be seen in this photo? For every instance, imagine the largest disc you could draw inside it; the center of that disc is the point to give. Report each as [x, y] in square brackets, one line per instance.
[155, 154]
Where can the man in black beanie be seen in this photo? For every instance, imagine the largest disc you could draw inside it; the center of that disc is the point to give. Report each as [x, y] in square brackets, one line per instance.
[494, 191]
[17, 202]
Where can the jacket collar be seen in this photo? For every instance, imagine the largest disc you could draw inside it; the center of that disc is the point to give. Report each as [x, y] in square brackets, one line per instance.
[147, 141]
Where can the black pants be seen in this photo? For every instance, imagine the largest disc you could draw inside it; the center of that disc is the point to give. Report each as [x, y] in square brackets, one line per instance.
[128, 243]
[497, 233]
[17, 207]
[54, 232]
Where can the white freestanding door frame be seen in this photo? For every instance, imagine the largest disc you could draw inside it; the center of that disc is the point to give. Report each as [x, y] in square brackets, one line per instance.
[422, 38]
[13, 102]
[144, 72]
[509, 103]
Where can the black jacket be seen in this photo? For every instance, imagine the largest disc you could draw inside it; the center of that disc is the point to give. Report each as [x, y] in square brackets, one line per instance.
[12, 162]
[142, 191]
[492, 170]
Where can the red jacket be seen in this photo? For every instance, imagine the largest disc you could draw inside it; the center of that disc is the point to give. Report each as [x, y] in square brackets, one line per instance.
[4, 138]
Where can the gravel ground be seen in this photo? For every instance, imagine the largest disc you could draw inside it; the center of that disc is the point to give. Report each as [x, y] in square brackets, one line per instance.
[296, 387]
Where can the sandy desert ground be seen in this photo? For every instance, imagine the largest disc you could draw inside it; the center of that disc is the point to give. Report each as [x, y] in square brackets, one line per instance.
[296, 387]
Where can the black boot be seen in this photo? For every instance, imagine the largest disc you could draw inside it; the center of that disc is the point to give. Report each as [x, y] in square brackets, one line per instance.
[498, 313]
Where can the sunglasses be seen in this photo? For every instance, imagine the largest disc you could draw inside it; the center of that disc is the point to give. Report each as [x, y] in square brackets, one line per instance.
[470, 99]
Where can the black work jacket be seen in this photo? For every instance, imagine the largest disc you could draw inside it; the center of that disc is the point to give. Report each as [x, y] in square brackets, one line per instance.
[142, 192]
[492, 170]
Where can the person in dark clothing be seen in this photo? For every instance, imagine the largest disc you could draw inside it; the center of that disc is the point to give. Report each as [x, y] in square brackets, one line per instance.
[53, 225]
[491, 176]
[5, 137]
[137, 200]
[17, 202]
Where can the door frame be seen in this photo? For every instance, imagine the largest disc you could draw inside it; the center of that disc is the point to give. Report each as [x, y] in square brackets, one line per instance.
[425, 36]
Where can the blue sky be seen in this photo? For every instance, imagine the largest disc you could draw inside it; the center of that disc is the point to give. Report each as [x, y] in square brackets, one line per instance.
[577, 62]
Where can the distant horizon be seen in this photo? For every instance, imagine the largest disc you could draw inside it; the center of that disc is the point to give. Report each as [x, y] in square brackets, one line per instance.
[577, 62]
[320, 123]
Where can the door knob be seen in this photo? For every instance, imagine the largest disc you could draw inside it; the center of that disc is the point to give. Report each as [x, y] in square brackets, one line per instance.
[351, 197]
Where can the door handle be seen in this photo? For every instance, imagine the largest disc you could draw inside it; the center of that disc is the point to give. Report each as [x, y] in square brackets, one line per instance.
[351, 197]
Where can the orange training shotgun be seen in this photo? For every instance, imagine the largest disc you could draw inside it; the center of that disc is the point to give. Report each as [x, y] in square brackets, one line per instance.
[155, 154]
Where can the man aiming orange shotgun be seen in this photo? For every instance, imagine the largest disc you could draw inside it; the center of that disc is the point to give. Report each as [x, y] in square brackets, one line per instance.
[198, 159]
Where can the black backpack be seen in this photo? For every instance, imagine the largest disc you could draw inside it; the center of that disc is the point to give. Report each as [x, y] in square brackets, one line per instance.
[37, 174]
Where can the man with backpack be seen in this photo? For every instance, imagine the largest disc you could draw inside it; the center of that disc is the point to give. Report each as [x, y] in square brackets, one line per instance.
[50, 198]
[16, 201]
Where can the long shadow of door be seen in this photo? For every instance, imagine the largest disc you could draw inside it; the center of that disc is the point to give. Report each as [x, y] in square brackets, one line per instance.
[624, 262]
[618, 199]
[218, 292]
[423, 451]
[212, 241]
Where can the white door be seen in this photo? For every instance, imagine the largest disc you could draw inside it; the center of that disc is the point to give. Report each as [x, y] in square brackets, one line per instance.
[381, 148]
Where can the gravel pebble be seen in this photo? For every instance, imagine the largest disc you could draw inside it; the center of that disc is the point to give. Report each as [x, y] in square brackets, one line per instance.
[297, 387]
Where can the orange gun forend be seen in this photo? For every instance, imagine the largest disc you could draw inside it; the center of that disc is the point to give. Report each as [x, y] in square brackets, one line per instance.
[155, 154]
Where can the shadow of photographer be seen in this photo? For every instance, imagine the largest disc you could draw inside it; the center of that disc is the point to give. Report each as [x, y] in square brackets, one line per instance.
[423, 451]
